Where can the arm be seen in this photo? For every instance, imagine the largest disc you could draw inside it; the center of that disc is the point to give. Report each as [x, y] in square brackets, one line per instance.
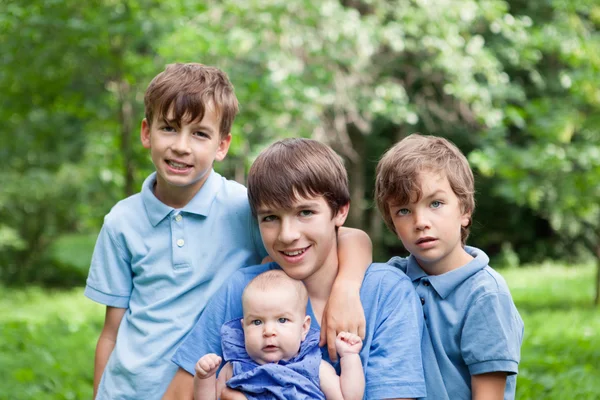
[226, 393]
[181, 387]
[351, 384]
[354, 257]
[488, 386]
[106, 342]
[205, 381]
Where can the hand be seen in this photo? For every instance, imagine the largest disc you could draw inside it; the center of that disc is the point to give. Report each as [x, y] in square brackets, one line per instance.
[207, 365]
[343, 313]
[348, 343]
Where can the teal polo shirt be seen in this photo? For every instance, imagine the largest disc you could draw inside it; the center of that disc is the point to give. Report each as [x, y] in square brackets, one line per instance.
[472, 326]
[163, 265]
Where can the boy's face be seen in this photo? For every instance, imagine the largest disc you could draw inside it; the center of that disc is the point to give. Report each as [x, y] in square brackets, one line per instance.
[183, 156]
[430, 228]
[301, 239]
[274, 324]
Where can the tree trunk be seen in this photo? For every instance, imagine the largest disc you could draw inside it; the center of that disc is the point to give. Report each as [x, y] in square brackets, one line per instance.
[357, 180]
[126, 120]
[597, 292]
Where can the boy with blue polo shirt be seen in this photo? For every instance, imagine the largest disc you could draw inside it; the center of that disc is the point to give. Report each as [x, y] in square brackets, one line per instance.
[471, 350]
[162, 253]
[298, 190]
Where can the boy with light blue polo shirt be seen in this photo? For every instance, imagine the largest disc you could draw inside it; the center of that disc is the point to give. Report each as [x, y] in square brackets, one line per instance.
[471, 349]
[162, 253]
[298, 190]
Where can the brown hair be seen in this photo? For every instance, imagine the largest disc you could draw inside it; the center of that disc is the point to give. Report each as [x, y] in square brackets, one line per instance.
[297, 168]
[276, 278]
[188, 90]
[397, 174]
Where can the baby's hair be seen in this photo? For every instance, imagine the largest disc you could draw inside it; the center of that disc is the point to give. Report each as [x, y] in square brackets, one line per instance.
[276, 279]
[398, 171]
[187, 90]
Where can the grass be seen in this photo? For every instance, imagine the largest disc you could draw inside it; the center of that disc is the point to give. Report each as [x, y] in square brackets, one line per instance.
[48, 338]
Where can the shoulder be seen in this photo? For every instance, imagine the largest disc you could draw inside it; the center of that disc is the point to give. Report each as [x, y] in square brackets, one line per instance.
[232, 192]
[399, 262]
[245, 274]
[487, 282]
[130, 208]
[380, 273]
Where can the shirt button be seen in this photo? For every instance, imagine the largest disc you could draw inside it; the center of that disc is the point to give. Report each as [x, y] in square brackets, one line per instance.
[180, 242]
[423, 300]
[426, 283]
[178, 217]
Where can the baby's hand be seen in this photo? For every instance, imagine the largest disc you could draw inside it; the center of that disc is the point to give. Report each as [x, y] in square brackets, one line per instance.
[347, 343]
[207, 365]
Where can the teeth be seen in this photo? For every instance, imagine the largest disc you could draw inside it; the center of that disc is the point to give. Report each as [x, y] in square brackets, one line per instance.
[293, 253]
[176, 164]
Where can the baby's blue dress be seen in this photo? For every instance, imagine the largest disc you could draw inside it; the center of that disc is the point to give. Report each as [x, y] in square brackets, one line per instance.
[297, 378]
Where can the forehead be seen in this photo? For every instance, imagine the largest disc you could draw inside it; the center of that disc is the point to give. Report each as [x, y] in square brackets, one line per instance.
[432, 181]
[282, 298]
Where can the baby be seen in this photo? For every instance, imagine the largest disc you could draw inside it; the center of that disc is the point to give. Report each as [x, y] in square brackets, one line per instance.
[273, 351]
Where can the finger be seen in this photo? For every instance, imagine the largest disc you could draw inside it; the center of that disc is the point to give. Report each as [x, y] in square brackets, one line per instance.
[323, 337]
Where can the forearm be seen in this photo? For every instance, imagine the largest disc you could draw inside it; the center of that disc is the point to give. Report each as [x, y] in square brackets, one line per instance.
[181, 387]
[352, 377]
[104, 349]
[205, 389]
[355, 254]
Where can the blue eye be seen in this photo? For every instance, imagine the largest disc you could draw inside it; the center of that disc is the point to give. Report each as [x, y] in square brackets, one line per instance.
[256, 322]
[269, 218]
[436, 204]
[282, 320]
[403, 211]
[168, 128]
[201, 134]
[306, 213]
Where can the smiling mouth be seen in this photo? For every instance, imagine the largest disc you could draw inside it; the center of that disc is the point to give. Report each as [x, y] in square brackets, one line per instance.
[177, 165]
[294, 253]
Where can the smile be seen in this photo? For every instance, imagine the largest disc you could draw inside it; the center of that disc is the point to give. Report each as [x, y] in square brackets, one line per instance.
[294, 252]
[177, 165]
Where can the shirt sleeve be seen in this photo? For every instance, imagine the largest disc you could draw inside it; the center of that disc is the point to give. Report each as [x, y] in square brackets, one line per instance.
[257, 238]
[395, 367]
[109, 281]
[492, 335]
[205, 337]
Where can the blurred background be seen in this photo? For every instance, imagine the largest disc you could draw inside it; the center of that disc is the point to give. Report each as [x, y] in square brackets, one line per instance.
[514, 83]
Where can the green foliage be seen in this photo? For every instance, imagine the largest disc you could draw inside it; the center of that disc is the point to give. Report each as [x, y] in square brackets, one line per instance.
[49, 338]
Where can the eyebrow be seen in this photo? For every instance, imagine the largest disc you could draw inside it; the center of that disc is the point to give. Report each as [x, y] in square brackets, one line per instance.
[435, 194]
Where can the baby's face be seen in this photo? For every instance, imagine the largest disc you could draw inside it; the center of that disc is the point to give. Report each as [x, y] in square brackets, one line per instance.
[275, 325]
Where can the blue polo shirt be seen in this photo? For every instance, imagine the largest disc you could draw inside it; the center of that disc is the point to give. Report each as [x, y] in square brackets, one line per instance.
[163, 265]
[391, 353]
[472, 325]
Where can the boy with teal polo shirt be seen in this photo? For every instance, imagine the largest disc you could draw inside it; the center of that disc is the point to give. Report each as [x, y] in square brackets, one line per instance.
[162, 253]
[298, 190]
[471, 350]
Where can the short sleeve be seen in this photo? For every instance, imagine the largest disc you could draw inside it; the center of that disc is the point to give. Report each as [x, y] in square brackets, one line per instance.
[492, 335]
[257, 238]
[395, 366]
[205, 338]
[109, 281]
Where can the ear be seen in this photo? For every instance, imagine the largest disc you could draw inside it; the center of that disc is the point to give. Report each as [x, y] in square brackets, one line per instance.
[341, 215]
[465, 219]
[145, 133]
[223, 147]
[305, 327]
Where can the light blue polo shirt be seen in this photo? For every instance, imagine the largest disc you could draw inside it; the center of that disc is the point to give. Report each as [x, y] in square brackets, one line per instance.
[391, 353]
[163, 265]
[472, 325]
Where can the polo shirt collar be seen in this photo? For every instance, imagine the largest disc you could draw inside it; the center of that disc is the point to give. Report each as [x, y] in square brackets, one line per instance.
[446, 283]
[200, 203]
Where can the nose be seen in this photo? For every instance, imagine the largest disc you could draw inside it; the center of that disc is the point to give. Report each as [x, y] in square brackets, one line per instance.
[421, 220]
[288, 232]
[268, 329]
[181, 143]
